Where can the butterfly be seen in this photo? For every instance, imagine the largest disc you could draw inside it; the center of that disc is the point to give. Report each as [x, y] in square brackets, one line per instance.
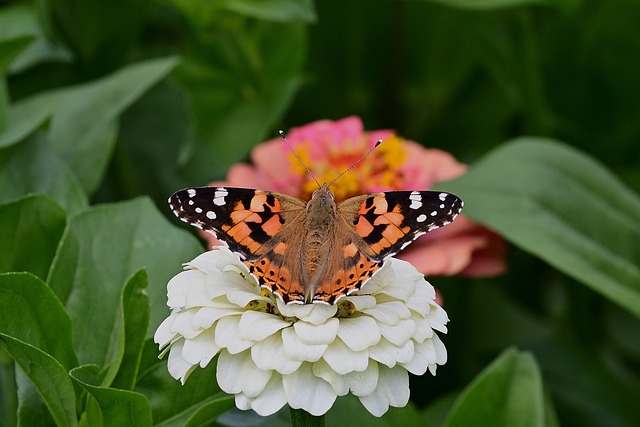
[317, 251]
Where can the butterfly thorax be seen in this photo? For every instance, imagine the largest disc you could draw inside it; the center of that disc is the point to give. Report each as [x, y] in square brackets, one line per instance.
[321, 212]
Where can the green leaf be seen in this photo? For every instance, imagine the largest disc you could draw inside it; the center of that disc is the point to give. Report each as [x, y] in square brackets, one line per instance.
[48, 376]
[116, 407]
[88, 28]
[133, 322]
[34, 167]
[274, 10]
[153, 133]
[24, 118]
[204, 413]
[489, 4]
[507, 393]
[31, 313]
[102, 247]
[30, 230]
[20, 20]
[241, 91]
[84, 117]
[9, 49]
[172, 402]
[563, 207]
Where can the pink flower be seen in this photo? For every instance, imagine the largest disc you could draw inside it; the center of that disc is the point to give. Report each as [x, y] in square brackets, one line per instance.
[330, 147]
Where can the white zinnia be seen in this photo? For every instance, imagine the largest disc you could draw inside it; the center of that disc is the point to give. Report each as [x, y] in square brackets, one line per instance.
[272, 354]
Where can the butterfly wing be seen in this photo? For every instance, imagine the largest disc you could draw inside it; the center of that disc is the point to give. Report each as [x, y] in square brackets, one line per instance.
[385, 223]
[246, 220]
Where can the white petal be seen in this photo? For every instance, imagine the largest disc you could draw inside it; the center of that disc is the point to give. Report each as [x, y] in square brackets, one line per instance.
[390, 354]
[310, 333]
[306, 391]
[178, 367]
[319, 314]
[359, 333]
[393, 389]
[398, 334]
[365, 382]
[182, 284]
[362, 302]
[256, 325]
[201, 349]
[238, 374]
[183, 324]
[243, 402]
[344, 360]
[293, 310]
[241, 297]
[438, 318]
[321, 369]
[269, 354]
[423, 329]
[163, 335]
[206, 316]
[389, 313]
[423, 356]
[298, 350]
[272, 398]
[227, 335]
[423, 298]
[441, 350]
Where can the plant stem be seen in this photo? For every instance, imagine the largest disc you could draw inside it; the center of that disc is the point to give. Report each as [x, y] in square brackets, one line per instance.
[301, 418]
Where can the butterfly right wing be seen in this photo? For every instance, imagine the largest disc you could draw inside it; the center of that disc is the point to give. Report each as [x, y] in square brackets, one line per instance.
[246, 220]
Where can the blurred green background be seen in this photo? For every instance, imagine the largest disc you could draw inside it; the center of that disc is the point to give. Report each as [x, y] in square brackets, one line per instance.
[143, 97]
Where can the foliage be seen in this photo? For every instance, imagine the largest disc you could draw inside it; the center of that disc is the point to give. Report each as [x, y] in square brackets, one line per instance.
[106, 108]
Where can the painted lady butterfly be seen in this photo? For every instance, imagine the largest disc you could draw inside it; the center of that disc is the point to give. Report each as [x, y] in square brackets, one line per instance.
[318, 251]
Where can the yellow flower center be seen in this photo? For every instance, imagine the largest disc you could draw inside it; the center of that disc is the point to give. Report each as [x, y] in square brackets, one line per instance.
[379, 169]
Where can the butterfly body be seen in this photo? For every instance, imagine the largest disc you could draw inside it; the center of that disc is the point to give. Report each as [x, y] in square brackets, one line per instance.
[319, 251]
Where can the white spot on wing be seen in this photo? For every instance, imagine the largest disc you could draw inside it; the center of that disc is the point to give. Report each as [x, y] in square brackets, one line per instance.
[191, 192]
[443, 196]
[434, 213]
[219, 195]
[416, 200]
[211, 215]
[421, 218]
[198, 210]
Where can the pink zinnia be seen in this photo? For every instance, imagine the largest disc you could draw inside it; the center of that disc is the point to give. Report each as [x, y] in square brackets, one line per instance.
[329, 147]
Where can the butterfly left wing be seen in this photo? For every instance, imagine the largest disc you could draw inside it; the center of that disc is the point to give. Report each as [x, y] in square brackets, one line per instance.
[246, 220]
[386, 223]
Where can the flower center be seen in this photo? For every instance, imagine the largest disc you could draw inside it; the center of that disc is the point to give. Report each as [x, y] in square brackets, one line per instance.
[379, 172]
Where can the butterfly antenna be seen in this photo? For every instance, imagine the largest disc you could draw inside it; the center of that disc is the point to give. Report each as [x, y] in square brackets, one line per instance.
[298, 157]
[356, 162]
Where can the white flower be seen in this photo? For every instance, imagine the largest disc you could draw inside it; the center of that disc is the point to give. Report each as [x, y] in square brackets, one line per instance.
[272, 354]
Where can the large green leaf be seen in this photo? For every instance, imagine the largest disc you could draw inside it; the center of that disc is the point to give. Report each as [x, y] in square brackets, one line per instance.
[48, 376]
[35, 167]
[30, 230]
[31, 313]
[173, 403]
[133, 322]
[241, 85]
[37, 333]
[88, 29]
[563, 207]
[507, 393]
[9, 49]
[84, 117]
[102, 247]
[20, 20]
[500, 4]
[274, 10]
[114, 407]
[24, 118]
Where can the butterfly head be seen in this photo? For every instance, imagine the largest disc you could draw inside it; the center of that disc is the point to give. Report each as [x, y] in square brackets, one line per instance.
[322, 201]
